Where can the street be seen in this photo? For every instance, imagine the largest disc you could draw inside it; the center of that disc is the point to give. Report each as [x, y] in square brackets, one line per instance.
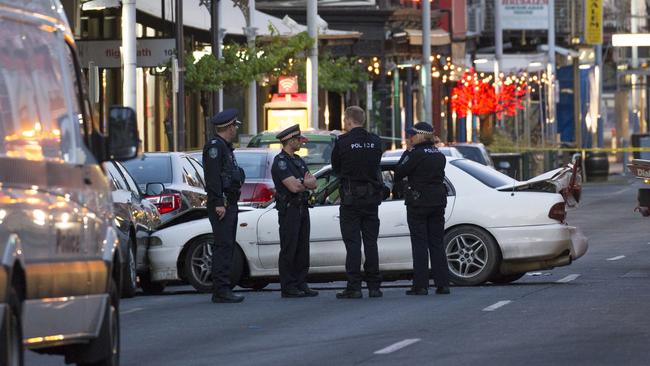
[593, 312]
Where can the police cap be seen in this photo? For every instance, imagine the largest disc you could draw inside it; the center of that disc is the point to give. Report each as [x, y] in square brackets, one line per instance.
[420, 128]
[289, 133]
[226, 117]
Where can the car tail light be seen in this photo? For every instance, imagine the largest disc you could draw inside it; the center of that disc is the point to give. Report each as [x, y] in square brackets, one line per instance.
[558, 212]
[166, 202]
[262, 193]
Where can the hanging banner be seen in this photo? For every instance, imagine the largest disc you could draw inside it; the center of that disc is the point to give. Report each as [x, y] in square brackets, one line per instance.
[523, 14]
[594, 22]
[151, 52]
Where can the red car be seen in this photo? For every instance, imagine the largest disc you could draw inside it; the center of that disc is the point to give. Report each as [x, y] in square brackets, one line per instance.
[256, 162]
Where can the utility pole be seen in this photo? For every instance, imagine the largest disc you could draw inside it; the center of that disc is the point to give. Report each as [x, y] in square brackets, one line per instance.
[251, 32]
[551, 70]
[498, 45]
[312, 63]
[215, 42]
[180, 49]
[426, 60]
[129, 53]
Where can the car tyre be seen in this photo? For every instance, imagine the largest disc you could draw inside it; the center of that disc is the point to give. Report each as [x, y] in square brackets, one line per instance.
[198, 265]
[502, 279]
[12, 352]
[149, 287]
[473, 255]
[129, 276]
[107, 345]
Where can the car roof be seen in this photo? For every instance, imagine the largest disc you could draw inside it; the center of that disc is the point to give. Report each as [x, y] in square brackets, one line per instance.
[389, 160]
[312, 134]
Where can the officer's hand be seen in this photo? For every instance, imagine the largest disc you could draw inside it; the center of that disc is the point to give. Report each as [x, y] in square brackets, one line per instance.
[221, 212]
[309, 180]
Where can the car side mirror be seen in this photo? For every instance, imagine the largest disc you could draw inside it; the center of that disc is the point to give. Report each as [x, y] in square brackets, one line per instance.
[154, 189]
[123, 137]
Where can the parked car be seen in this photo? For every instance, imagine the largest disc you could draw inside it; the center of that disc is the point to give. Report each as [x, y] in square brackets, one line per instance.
[256, 162]
[446, 150]
[476, 152]
[527, 232]
[135, 219]
[60, 265]
[172, 181]
[316, 153]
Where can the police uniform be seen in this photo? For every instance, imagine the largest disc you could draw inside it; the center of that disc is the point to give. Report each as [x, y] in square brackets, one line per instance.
[426, 198]
[223, 181]
[356, 158]
[293, 220]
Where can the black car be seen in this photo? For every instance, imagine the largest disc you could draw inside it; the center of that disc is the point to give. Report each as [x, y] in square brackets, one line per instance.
[135, 219]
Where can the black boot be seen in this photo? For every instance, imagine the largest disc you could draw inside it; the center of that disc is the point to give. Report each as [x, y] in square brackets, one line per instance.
[417, 291]
[292, 293]
[443, 290]
[349, 294]
[308, 292]
[226, 296]
[375, 292]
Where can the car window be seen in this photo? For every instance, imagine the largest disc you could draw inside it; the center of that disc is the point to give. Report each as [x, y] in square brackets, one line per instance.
[35, 119]
[115, 177]
[190, 175]
[312, 152]
[472, 153]
[132, 185]
[395, 190]
[253, 163]
[199, 168]
[482, 173]
[150, 169]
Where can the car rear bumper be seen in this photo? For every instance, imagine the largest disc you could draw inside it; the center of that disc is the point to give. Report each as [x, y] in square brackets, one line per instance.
[542, 242]
[163, 263]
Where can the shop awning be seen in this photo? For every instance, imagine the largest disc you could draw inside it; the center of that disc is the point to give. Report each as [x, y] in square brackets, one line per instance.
[197, 16]
[531, 62]
[438, 37]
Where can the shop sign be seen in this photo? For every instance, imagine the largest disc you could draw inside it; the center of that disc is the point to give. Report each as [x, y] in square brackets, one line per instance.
[106, 54]
[594, 22]
[523, 14]
[287, 84]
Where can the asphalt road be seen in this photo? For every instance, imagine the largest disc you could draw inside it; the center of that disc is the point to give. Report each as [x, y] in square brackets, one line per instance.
[594, 312]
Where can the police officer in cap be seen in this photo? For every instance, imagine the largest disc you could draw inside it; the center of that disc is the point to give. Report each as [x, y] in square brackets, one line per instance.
[426, 197]
[292, 181]
[355, 160]
[223, 181]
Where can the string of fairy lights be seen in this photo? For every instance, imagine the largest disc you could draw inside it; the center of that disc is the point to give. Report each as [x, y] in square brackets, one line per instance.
[442, 68]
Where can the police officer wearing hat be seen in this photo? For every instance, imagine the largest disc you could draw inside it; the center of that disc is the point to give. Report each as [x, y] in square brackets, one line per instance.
[355, 160]
[292, 181]
[426, 197]
[223, 181]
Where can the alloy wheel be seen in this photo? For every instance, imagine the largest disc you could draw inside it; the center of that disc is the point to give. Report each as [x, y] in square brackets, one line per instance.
[467, 255]
[202, 263]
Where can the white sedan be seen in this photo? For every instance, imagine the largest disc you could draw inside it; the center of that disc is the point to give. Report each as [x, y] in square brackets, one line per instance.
[497, 229]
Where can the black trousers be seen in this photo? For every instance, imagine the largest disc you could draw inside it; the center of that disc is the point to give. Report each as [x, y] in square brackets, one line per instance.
[224, 232]
[293, 262]
[357, 223]
[427, 226]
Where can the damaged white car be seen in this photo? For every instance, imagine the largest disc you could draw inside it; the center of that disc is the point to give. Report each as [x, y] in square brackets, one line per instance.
[497, 229]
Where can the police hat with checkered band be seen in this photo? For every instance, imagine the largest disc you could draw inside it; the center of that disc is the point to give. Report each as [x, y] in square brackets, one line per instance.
[420, 128]
[226, 118]
[289, 133]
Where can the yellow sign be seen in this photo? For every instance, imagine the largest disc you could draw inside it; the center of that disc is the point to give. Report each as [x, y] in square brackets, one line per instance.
[279, 119]
[594, 22]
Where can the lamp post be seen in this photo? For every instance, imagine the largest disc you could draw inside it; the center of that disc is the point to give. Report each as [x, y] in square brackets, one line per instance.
[312, 63]
[426, 60]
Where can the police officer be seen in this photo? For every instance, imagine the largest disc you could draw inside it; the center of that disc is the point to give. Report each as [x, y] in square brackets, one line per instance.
[355, 159]
[292, 180]
[223, 178]
[426, 197]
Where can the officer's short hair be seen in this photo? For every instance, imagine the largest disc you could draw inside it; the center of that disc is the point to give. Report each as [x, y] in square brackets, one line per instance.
[355, 114]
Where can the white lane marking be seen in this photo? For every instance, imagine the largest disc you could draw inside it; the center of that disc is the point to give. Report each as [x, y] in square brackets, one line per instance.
[499, 304]
[568, 278]
[130, 311]
[616, 258]
[397, 346]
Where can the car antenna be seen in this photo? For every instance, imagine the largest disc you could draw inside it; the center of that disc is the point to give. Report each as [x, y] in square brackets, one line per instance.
[514, 184]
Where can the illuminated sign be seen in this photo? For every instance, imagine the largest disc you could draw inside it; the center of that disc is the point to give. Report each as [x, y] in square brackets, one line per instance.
[279, 119]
